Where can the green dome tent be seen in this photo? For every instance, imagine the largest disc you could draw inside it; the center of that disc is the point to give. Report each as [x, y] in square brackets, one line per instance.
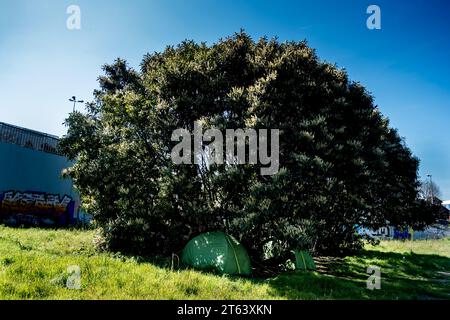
[217, 251]
[304, 261]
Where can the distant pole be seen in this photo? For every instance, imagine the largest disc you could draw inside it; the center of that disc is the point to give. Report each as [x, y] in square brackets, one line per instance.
[75, 101]
[431, 188]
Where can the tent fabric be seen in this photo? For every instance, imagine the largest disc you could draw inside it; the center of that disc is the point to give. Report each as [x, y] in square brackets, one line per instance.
[217, 251]
[304, 261]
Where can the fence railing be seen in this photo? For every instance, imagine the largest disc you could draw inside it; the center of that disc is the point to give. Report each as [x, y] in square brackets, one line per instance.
[28, 138]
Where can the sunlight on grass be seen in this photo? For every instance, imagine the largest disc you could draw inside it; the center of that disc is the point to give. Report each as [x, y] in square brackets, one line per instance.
[33, 265]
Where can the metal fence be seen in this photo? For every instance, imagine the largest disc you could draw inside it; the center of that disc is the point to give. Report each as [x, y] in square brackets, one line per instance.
[28, 138]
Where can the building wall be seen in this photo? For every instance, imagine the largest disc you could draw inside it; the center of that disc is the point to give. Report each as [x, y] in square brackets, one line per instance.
[31, 180]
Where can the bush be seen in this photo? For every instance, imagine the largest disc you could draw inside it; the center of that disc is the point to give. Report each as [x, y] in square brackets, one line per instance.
[341, 164]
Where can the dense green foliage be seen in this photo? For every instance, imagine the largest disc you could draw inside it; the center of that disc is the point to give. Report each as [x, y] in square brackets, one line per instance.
[341, 164]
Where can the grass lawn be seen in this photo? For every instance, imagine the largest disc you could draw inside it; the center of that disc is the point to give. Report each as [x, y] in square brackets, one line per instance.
[34, 262]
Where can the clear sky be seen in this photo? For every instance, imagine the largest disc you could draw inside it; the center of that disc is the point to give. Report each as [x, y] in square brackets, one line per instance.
[406, 64]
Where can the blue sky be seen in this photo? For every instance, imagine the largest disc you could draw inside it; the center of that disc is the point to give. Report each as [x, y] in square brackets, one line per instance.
[406, 64]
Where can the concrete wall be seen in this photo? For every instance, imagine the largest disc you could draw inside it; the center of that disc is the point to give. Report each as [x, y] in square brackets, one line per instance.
[26, 170]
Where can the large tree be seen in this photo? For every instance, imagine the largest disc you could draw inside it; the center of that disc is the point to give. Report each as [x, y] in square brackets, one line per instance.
[341, 164]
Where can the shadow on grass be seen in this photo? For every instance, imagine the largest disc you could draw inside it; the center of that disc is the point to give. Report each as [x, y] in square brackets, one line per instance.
[403, 276]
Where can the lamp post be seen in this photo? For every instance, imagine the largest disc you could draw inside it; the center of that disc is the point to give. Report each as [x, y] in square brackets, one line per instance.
[431, 188]
[75, 101]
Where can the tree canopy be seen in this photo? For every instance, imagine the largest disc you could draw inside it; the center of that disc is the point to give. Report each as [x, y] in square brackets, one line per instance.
[341, 164]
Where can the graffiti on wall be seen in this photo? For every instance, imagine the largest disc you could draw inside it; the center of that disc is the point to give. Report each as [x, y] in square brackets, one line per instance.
[35, 207]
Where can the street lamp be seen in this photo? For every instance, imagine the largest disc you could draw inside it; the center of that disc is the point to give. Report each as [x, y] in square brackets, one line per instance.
[75, 101]
[431, 187]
